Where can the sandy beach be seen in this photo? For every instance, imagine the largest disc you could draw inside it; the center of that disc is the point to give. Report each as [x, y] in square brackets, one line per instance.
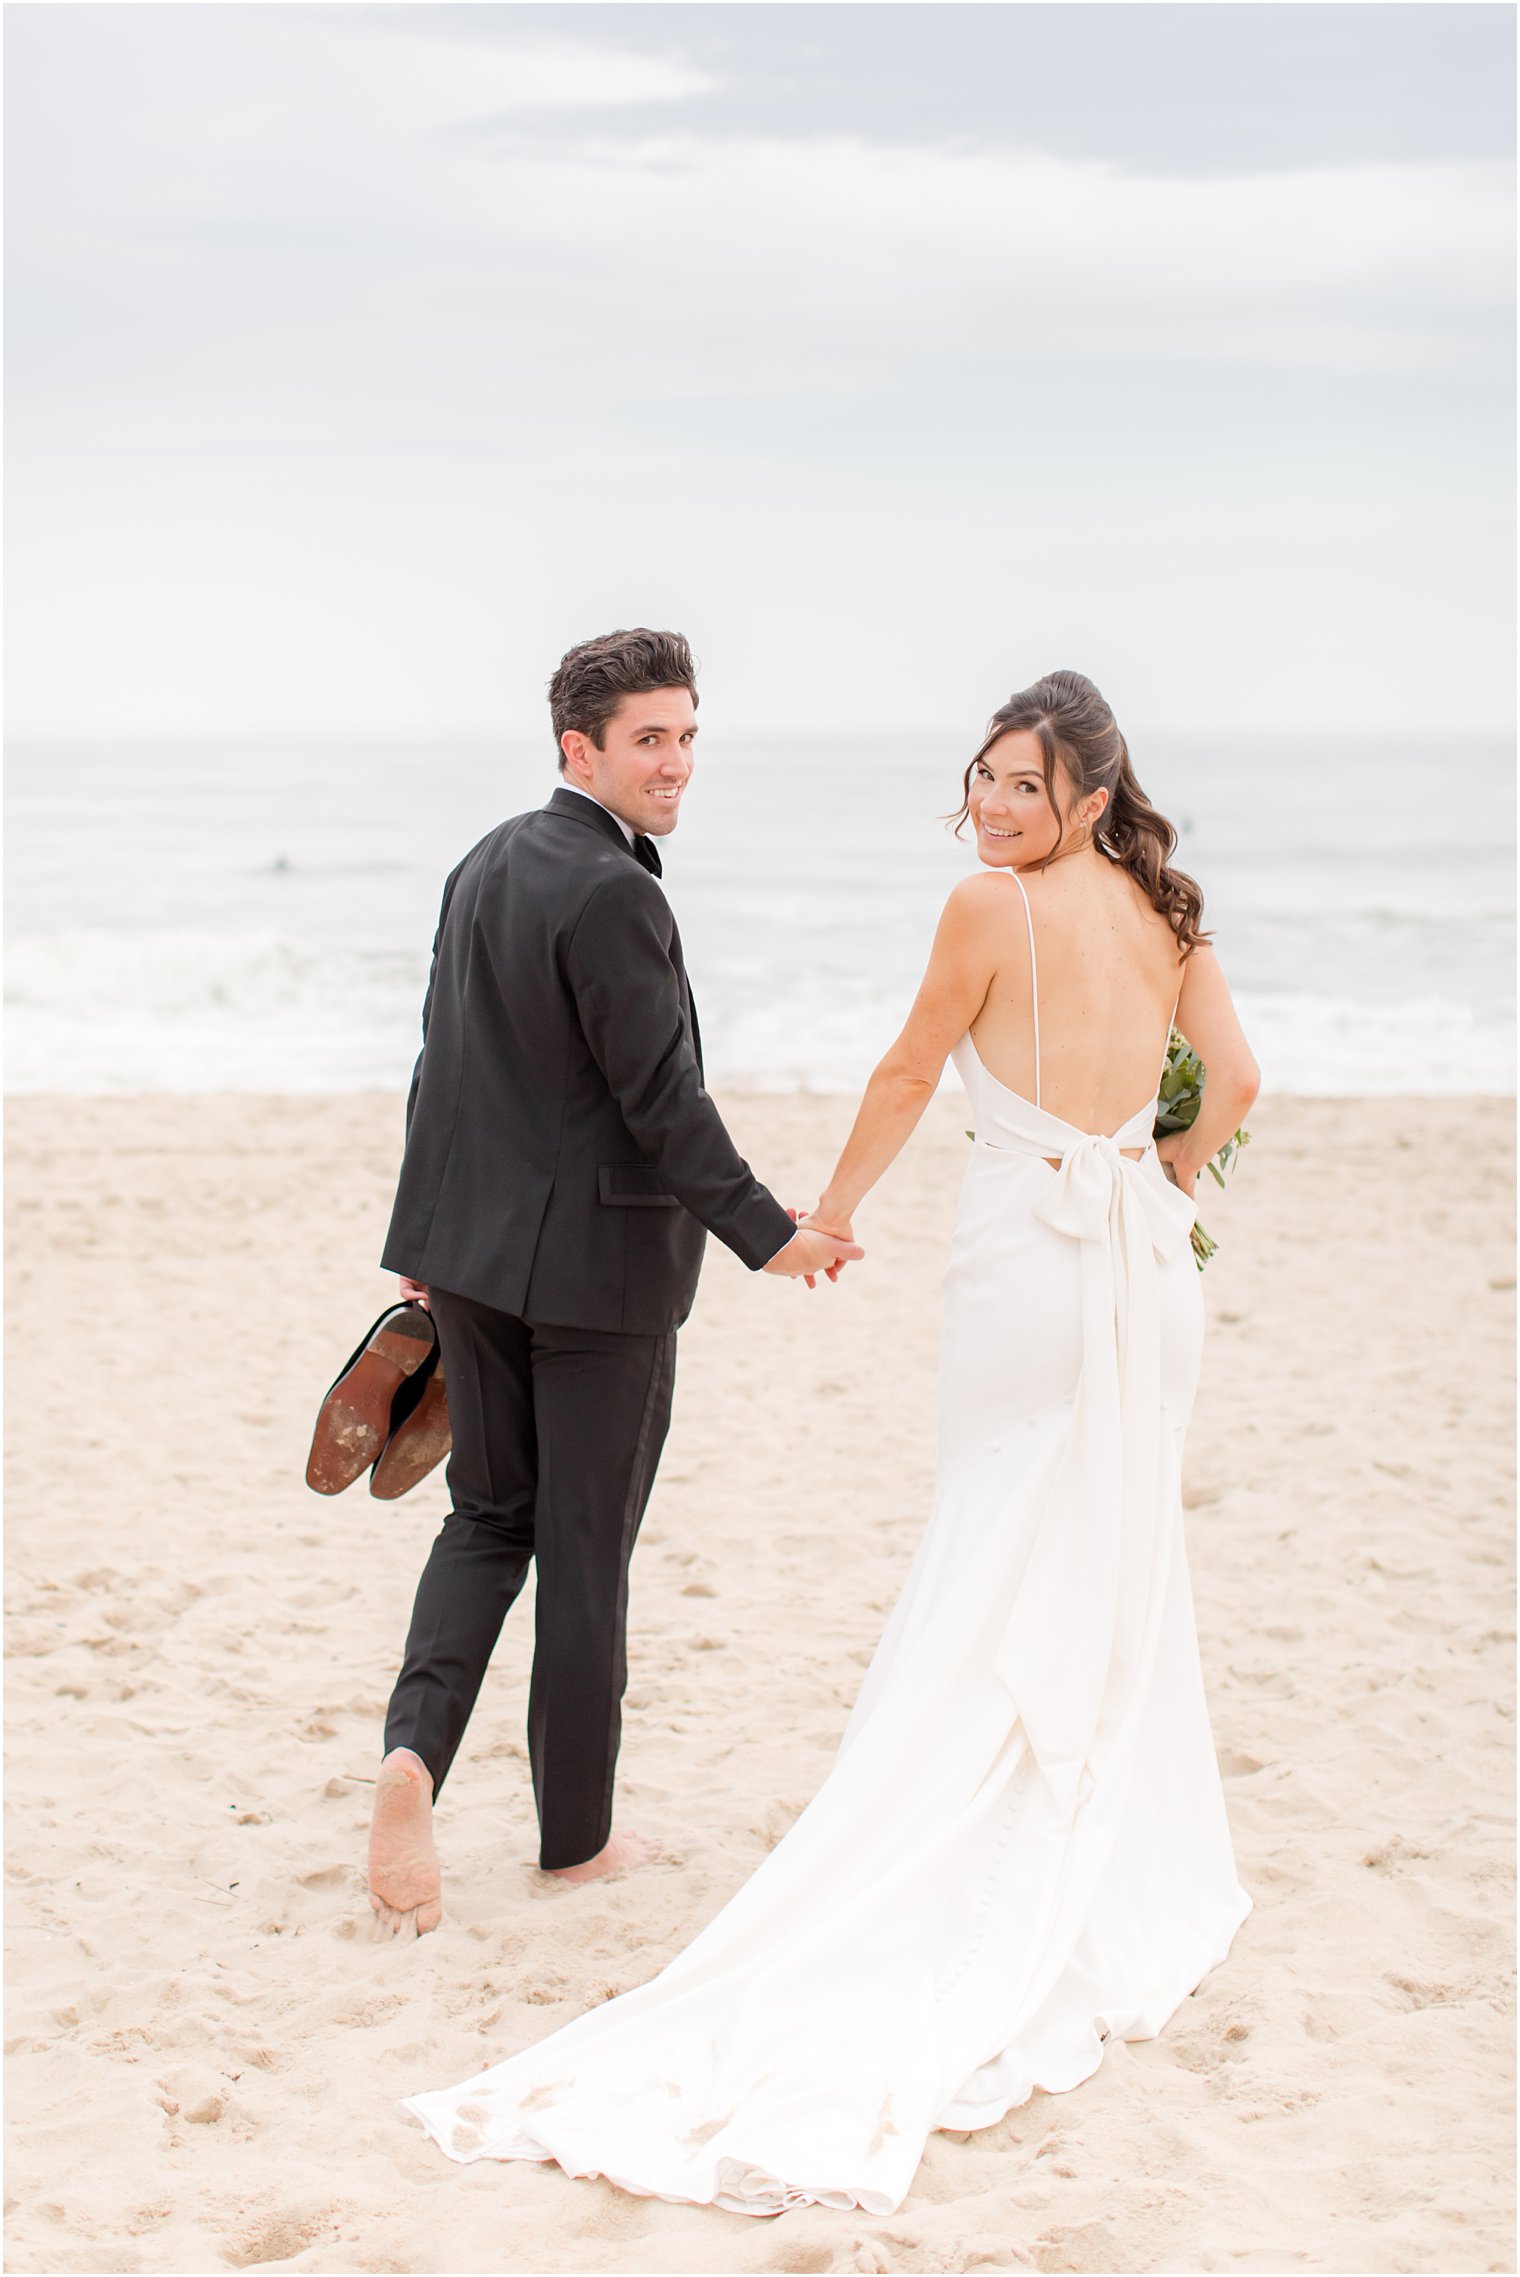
[206, 2039]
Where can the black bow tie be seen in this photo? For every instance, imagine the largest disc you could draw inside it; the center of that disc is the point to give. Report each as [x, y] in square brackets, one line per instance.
[649, 854]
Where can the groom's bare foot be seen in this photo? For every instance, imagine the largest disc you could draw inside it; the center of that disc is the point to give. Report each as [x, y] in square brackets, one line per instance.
[404, 1887]
[622, 1851]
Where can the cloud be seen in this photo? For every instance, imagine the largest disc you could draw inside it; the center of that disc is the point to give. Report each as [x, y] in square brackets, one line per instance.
[240, 232]
[801, 264]
[336, 363]
[1159, 88]
[540, 280]
[541, 72]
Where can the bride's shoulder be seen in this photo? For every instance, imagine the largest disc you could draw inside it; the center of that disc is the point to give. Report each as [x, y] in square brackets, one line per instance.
[982, 894]
[968, 933]
[971, 919]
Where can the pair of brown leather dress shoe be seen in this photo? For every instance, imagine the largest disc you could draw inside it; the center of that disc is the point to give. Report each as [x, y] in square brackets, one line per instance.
[387, 1408]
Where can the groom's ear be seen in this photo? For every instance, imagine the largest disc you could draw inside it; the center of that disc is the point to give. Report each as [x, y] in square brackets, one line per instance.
[572, 746]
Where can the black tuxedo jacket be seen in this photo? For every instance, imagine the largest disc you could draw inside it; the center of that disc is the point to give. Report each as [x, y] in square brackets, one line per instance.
[562, 1156]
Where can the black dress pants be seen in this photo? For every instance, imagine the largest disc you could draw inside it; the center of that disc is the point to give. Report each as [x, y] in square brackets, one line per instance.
[557, 1434]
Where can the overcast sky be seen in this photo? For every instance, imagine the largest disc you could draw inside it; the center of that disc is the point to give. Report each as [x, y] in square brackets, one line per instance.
[360, 359]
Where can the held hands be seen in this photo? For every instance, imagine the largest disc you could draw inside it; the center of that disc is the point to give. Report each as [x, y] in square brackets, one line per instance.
[815, 1249]
[834, 1225]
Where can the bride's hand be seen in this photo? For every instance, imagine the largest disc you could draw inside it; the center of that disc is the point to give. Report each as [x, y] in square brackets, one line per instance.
[1171, 1153]
[822, 1219]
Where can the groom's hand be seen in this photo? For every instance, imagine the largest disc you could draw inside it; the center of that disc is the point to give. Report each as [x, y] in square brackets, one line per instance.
[808, 1254]
[414, 1292]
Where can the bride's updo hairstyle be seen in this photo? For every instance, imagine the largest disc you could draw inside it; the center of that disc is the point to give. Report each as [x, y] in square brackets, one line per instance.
[1079, 734]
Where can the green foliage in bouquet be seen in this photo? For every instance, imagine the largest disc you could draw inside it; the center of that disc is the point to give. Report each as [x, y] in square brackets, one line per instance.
[1177, 1107]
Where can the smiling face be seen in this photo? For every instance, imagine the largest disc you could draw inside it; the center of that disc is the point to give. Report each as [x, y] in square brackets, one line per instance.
[644, 761]
[1010, 810]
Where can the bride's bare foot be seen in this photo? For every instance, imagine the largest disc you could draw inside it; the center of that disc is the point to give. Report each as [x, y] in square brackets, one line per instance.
[622, 1851]
[404, 1887]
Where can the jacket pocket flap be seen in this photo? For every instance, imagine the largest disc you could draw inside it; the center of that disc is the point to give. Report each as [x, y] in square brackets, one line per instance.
[634, 1185]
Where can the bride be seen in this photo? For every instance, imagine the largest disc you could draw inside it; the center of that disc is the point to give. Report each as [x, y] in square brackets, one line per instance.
[1021, 1850]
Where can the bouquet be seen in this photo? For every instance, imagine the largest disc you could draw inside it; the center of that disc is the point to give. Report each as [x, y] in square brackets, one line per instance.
[1180, 1097]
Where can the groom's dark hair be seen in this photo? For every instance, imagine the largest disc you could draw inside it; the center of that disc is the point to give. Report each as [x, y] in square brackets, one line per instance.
[593, 679]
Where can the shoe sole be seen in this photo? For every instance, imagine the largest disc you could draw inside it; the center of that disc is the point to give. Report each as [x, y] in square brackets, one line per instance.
[416, 1446]
[354, 1420]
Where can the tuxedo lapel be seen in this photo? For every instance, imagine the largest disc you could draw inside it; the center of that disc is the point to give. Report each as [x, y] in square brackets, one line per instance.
[574, 808]
[577, 808]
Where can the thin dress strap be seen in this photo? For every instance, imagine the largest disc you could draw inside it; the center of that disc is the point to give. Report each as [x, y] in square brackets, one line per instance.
[1034, 981]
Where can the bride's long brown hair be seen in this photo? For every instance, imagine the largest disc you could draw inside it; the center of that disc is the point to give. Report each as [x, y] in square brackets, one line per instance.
[1078, 733]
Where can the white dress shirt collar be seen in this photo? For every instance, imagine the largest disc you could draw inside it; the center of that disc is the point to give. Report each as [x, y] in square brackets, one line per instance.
[617, 818]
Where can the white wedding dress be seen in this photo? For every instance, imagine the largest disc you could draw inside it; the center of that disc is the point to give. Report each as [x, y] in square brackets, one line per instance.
[1021, 1850]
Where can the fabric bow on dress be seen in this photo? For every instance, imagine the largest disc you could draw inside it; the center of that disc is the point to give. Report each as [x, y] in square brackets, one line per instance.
[1077, 1633]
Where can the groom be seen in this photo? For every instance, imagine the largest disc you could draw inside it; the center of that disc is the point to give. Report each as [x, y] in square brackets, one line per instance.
[562, 1162]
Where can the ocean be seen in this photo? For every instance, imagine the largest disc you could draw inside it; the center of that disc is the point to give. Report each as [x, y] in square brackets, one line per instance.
[259, 918]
